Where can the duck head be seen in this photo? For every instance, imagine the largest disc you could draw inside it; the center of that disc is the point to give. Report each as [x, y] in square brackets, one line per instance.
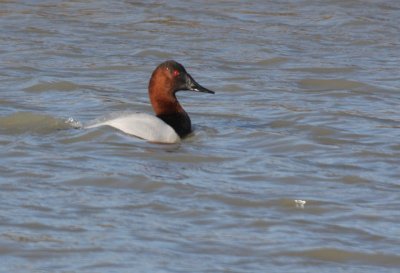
[168, 78]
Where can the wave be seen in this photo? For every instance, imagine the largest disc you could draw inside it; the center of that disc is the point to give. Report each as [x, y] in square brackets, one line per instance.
[27, 122]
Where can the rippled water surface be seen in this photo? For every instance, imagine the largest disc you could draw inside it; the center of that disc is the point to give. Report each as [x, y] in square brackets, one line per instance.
[306, 108]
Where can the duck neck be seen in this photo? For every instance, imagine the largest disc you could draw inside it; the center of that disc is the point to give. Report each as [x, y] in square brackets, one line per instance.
[167, 108]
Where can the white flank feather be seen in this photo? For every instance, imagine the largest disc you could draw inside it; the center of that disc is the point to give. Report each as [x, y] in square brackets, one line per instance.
[144, 126]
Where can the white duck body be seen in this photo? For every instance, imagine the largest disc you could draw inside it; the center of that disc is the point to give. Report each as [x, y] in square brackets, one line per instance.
[144, 126]
[170, 122]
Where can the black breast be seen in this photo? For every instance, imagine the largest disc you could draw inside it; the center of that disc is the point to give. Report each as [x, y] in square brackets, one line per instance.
[179, 121]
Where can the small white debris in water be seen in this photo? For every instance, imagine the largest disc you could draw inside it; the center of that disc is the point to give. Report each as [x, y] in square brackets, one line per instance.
[300, 203]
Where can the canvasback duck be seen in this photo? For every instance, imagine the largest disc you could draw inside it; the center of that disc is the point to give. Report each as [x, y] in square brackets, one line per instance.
[171, 122]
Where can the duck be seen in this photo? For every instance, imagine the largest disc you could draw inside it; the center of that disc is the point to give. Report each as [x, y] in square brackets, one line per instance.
[170, 123]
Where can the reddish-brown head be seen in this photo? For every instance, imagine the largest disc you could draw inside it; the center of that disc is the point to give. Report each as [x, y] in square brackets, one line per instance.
[167, 79]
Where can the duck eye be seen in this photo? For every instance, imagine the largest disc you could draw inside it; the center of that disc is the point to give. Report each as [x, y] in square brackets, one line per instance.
[176, 73]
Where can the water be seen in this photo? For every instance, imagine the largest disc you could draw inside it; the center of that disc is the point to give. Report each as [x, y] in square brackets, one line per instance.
[306, 108]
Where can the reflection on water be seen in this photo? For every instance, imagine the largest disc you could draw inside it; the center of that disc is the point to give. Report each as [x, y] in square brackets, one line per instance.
[306, 109]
